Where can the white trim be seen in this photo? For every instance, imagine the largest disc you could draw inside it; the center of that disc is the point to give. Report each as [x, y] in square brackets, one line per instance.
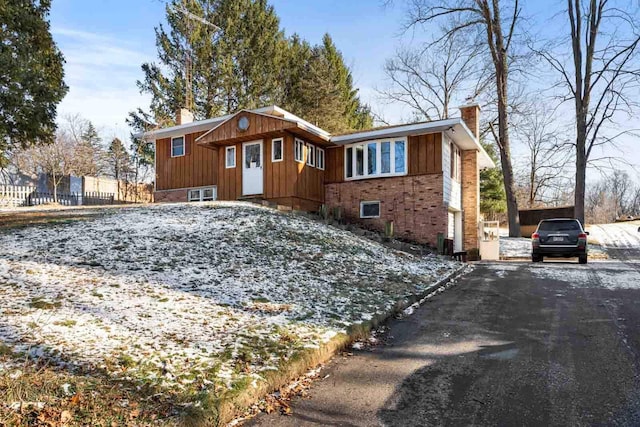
[273, 152]
[226, 156]
[402, 130]
[365, 160]
[320, 156]
[184, 146]
[298, 142]
[369, 202]
[183, 188]
[311, 154]
[244, 166]
[201, 190]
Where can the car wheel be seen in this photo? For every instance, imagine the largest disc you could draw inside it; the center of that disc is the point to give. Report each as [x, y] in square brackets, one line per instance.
[536, 258]
[582, 259]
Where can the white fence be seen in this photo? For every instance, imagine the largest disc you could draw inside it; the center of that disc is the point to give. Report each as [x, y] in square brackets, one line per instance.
[14, 195]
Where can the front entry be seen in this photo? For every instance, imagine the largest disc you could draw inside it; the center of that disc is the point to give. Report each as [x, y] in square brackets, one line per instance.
[252, 174]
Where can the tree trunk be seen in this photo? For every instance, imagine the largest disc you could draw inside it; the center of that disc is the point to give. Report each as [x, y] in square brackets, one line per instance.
[505, 147]
[581, 165]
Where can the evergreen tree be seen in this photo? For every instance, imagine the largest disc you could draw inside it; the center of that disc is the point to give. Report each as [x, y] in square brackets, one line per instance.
[235, 66]
[119, 162]
[493, 198]
[32, 75]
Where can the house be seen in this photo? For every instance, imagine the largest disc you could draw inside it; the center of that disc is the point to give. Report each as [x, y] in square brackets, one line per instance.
[422, 176]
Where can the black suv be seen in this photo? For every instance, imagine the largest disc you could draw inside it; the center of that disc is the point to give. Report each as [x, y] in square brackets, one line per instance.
[562, 237]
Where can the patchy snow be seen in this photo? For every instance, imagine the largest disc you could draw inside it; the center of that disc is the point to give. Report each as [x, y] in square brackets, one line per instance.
[609, 275]
[618, 235]
[515, 247]
[194, 296]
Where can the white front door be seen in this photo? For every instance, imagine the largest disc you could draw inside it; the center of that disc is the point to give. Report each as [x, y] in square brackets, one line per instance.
[252, 163]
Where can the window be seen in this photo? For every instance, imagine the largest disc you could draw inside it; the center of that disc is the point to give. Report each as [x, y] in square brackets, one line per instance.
[386, 156]
[230, 157]
[455, 160]
[311, 155]
[208, 194]
[202, 194]
[359, 160]
[276, 150]
[320, 158]
[399, 157]
[177, 146]
[369, 209]
[299, 150]
[372, 159]
[349, 162]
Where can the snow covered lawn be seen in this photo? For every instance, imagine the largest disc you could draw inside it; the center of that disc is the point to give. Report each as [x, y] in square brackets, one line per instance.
[515, 247]
[617, 235]
[194, 297]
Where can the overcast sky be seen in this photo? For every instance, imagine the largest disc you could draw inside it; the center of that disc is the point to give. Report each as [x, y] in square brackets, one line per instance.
[106, 41]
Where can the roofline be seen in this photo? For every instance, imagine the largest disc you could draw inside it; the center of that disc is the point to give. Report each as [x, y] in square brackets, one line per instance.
[391, 130]
[184, 128]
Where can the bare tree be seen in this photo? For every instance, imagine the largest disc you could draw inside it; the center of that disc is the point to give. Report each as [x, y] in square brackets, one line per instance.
[485, 15]
[613, 197]
[56, 160]
[600, 74]
[543, 169]
[428, 79]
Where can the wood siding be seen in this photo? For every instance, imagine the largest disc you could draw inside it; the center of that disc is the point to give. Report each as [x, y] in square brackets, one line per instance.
[259, 127]
[425, 154]
[310, 180]
[197, 168]
[279, 177]
[229, 179]
[335, 165]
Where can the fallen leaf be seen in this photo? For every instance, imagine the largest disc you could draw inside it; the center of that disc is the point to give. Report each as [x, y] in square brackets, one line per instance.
[134, 414]
[76, 399]
[65, 417]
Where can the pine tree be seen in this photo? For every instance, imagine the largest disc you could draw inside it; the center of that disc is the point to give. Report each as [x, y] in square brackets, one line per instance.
[119, 163]
[236, 66]
[32, 75]
[493, 198]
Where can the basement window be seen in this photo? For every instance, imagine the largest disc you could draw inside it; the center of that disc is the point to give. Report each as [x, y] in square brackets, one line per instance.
[202, 194]
[177, 146]
[370, 209]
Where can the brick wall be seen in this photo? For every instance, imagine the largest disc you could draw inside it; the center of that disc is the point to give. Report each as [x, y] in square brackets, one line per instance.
[413, 203]
[170, 196]
[470, 199]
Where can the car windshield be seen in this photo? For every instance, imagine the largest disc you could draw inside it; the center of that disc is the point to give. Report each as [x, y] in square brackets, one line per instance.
[568, 225]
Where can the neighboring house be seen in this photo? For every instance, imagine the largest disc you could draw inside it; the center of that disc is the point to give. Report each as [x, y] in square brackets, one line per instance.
[422, 176]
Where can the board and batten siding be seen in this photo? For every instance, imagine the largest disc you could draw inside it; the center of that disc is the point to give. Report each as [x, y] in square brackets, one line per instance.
[197, 168]
[452, 190]
[425, 154]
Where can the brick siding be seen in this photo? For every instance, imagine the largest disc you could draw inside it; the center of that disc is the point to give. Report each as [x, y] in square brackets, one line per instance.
[414, 204]
[470, 198]
[170, 196]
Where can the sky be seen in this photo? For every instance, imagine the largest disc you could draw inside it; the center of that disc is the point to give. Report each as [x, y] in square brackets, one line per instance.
[106, 41]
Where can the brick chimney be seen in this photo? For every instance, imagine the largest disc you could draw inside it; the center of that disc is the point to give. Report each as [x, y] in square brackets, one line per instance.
[470, 113]
[183, 116]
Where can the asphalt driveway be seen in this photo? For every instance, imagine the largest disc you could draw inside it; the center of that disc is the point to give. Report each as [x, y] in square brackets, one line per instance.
[511, 344]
